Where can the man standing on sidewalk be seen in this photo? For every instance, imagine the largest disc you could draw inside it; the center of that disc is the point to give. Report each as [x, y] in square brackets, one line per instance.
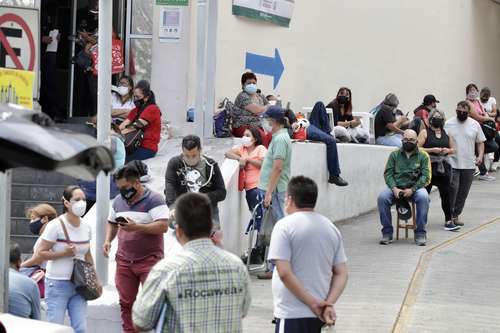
[192, 171]
[311, 270]
[140, 218]
[201, 289]
[468, 137]
[275, 171]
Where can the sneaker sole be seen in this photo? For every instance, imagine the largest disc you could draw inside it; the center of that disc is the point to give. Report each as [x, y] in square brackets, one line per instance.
[452, 228]
[385, 243]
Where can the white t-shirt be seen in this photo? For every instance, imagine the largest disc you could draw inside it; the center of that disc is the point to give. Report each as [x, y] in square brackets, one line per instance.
[116, 102]
[313, 245]
[62, 268]
[488, 106]
[465, 136]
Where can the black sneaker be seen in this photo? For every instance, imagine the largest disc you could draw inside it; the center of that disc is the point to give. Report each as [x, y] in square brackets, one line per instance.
[386, 240]
[420, 240]
[450, 226]
[456, 221]
[337, 180]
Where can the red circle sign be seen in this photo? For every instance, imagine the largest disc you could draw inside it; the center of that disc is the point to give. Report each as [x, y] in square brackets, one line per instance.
[3, 40]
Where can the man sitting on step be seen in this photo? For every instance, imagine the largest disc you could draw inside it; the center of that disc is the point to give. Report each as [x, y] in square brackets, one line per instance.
[406, 174]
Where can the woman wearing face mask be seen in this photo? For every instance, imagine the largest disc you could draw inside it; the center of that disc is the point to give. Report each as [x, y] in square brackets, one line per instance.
[347, 128]
[122, 100]
[147, 116]
[436, 142]
[250, 156]
[479, 114]
[248, 107]
[490, 106]
[39, 216]
[60, 293]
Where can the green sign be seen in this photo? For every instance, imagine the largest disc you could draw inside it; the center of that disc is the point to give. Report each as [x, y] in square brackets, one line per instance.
[277, 12]
[173, 2]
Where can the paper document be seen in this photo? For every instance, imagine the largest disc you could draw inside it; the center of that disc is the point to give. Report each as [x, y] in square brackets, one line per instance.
[52, 47]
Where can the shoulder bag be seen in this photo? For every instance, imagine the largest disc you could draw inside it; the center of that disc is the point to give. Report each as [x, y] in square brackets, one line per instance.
[84, 275]
[133, 139]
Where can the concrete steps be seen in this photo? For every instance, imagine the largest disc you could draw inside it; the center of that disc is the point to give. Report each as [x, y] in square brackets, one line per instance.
[29, 188]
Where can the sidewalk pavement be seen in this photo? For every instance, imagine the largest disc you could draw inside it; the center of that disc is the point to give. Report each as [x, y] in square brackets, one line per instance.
[458, 292]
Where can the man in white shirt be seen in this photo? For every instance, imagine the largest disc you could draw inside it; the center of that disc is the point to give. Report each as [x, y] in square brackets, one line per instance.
[311, 270]
[468, 136]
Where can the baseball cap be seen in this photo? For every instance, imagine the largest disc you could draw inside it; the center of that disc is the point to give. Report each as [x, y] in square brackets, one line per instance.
[274, 112]
[429, 99]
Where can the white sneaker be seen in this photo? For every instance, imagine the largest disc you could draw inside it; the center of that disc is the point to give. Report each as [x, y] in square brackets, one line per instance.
[476, 173]
[494, 166]
[486, 177]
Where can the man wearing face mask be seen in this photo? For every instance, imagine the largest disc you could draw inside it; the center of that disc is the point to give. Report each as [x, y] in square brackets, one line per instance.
[406, 174]
[192, 171]
[139, 217]
[468, 137]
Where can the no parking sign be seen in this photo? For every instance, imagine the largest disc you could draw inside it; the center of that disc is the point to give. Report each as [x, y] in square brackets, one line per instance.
[19, 40]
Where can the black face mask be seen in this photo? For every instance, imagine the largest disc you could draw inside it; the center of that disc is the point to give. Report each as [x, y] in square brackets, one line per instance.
[485, 100]
[139, 103]
[462, 115]
[36, 226]
[128, 193]
[437, 122]
[342, 99]
[409, 146]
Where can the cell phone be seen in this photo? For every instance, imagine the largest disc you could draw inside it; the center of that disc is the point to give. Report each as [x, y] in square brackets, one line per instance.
[121, 220]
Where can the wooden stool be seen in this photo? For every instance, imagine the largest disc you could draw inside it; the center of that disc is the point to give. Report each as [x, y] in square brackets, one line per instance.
[406, 225]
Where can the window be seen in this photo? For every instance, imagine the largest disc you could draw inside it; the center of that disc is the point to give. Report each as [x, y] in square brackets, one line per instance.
[139, 38]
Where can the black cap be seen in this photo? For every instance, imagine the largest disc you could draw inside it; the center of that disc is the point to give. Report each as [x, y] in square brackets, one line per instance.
[429, 99]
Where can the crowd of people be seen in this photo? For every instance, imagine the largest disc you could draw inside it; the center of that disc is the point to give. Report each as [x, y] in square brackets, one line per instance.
[205, 288]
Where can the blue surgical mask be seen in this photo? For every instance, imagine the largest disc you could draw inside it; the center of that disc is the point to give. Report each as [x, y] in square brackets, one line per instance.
[251, 88]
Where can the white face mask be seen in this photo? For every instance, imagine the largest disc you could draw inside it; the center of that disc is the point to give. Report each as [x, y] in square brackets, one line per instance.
[266, 125]
[79, 207]
[122, 90]
[246, 141]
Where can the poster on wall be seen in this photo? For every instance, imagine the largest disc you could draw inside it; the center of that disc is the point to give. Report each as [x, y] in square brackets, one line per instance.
[170, 25]
[278, 12]
[16, 87]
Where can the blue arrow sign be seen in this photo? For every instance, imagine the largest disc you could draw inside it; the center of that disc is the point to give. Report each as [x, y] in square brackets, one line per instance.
[265, 65]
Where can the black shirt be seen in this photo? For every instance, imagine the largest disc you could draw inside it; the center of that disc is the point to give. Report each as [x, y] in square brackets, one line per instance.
[433, 141]
[337, 114]
[384, 116]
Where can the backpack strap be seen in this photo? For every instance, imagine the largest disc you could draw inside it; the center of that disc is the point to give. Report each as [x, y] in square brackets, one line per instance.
[64, 230]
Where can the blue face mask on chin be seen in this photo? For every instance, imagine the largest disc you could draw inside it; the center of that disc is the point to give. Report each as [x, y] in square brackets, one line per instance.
[251, 88]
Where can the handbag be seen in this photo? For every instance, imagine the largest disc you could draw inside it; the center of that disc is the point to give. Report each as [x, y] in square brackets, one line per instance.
[84, 276]
[241, 180]
[266, 229]
[133, 140]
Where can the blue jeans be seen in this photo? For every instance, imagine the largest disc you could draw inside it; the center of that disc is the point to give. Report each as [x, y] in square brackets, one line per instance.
[254, 198]
[386, 200]
[395, 140]
[61, 295]
[319, 118]
[332, 156]
[277, 204]
[140, 154]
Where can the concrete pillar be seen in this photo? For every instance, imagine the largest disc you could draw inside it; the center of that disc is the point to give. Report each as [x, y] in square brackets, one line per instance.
[103, 130]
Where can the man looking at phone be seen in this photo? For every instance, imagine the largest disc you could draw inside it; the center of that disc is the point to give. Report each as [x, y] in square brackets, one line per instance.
[139, 217]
